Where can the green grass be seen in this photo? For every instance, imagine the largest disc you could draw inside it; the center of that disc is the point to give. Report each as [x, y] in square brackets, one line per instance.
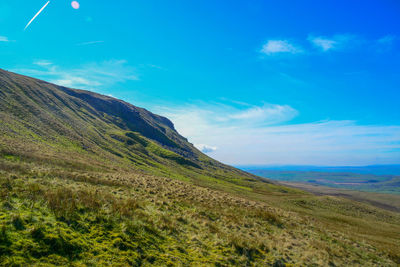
[88, 180]
[55, 216]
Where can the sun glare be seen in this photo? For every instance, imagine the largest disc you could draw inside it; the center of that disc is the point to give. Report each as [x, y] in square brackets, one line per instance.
[75, 5]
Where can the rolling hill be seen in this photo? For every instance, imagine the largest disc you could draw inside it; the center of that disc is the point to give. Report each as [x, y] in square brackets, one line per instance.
[90, 180]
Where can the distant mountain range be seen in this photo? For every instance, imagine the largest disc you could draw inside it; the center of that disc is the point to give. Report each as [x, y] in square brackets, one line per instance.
[372, 169]
[379, 178]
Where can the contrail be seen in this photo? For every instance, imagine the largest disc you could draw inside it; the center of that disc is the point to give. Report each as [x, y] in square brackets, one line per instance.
[37, 14]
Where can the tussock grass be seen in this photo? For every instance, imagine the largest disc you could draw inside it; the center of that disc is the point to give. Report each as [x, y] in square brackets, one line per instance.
[55, 217]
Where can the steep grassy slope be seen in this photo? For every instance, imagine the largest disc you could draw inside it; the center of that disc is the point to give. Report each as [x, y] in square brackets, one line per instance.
[90, 180]
[92, 129]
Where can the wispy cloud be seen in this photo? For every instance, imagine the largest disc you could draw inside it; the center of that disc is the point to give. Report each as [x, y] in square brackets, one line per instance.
[90, 43]
[387, 40]
[324, 44]
[43, 63]
[335, 42]
[280, 46]
[339, 41]
[226, 114]
[88, 76]
[385, 43]
[4, 39]
[265, 135]
[77, 82]
[266, 114]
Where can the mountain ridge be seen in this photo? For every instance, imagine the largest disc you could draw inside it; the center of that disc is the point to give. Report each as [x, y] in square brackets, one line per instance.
[125, 115]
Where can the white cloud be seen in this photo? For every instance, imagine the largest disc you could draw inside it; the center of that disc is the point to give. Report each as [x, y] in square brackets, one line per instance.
[338, 41]
[4, 39]
[88, 76]
[329, 43]
[205, 148]
[266, 114]
[73, 81]
[43, 63]
[222, 114]
[244, 137]
[324, 44]
[279, 46]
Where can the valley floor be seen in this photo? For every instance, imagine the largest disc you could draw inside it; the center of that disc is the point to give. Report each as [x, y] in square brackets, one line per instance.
[389, 202]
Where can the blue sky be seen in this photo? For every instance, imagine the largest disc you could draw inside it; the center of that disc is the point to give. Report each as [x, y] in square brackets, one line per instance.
[249, 82]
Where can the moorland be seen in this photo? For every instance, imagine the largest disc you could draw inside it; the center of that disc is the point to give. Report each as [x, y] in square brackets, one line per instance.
[90, 180]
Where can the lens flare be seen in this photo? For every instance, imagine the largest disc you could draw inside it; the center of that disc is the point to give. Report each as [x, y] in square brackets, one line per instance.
[75, 5]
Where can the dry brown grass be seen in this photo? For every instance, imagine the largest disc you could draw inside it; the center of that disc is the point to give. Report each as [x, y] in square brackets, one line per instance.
[263, 225]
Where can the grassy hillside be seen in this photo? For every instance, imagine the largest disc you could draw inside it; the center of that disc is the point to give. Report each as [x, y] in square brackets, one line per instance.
[40, 117]
[88, 180]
